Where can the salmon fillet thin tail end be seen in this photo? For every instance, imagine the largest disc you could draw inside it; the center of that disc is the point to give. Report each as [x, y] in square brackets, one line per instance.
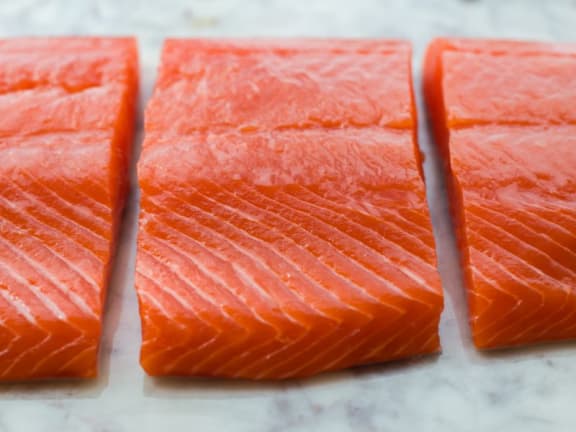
[503, 118]
[283, 228]
[67, 113]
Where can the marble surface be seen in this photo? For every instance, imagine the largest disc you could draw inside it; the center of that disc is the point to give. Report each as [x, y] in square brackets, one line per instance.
[460, 390]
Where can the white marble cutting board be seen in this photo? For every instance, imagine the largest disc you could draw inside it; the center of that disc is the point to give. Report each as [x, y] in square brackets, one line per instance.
[458, 391]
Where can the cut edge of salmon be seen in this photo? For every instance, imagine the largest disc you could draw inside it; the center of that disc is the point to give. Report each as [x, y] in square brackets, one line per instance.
[283, 46]
[435, 106]
[498, 47]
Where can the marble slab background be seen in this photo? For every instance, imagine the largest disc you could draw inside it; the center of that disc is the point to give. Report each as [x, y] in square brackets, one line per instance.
[461, 390]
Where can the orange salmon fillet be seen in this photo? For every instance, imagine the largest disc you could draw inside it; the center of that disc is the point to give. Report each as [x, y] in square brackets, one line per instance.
[283, 230]
[67, 109]
[504, 118]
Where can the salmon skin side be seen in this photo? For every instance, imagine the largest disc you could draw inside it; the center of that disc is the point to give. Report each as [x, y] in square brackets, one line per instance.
[283, 230]
[504, 118]
[67, 109]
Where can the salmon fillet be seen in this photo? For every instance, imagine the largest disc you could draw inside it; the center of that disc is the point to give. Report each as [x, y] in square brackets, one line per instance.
[67, 110]
[504, 118]
[283, 228]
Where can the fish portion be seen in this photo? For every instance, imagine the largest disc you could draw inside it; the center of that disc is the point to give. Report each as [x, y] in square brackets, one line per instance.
[67, 110]
[286, 248]
[505, 122]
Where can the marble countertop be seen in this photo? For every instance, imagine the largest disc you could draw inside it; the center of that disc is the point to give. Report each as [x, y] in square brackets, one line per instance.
[460, 390]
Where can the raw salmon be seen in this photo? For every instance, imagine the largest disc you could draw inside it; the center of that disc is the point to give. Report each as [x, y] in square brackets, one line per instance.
[283, 228]
[504, 116]
[66, 120]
